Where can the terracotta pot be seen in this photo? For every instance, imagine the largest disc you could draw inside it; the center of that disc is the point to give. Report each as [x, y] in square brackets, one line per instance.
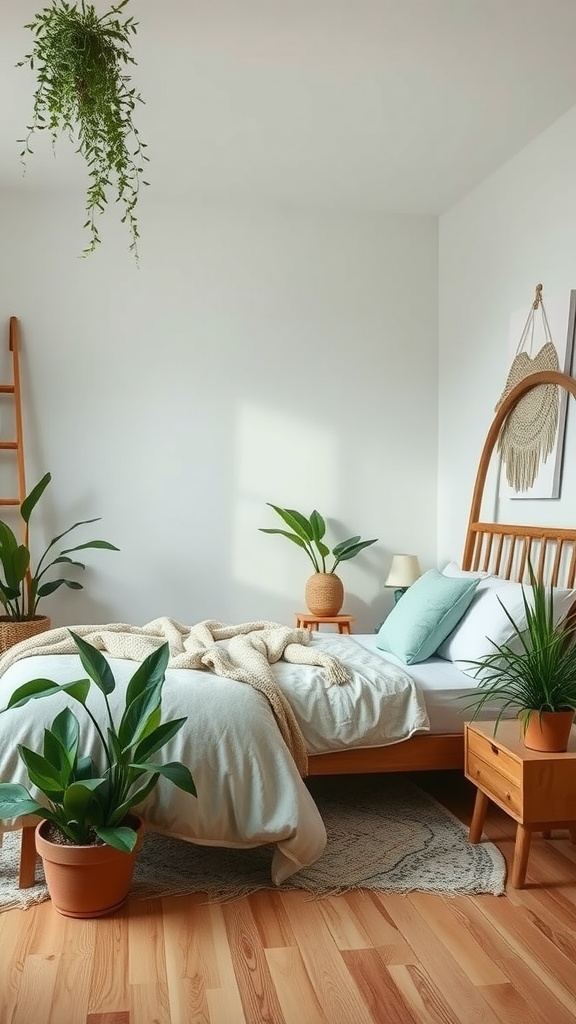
[87, 881]
[12, 632]
[324, 594]
[549, 733]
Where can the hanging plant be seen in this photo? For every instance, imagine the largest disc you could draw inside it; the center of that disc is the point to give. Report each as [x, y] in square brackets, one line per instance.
[83, 91]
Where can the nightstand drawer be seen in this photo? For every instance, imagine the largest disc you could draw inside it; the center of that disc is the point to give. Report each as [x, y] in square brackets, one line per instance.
[490, 752]
[496, 785]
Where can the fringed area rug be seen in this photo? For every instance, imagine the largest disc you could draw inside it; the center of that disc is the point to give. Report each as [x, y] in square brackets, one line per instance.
[384, 834]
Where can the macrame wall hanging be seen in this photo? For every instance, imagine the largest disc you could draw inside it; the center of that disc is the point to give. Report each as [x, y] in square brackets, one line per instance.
[528, 434]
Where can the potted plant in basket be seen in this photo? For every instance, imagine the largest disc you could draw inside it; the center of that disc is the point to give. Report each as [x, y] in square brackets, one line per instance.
[21, 586]
[83, 91]
[324, 589]
[89, 836]
[535, 673]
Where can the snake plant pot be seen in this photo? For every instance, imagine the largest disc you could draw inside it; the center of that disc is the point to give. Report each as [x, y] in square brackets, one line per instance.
[324, 594]
[87, 881]
[549, 732]
[12, 632]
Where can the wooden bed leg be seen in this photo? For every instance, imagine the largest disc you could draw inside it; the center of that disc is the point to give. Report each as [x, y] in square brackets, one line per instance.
[27, 871]
[477, 823]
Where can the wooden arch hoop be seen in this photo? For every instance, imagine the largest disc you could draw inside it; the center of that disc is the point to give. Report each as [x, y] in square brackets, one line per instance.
[563, 380]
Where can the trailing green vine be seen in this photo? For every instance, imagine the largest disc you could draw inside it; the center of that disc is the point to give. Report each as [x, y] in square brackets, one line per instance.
[83, 90]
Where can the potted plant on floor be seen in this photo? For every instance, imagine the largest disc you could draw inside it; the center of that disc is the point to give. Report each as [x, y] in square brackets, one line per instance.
[21, 586]
[89, 836]
[324, 589]
[84, 92]
[534, 673]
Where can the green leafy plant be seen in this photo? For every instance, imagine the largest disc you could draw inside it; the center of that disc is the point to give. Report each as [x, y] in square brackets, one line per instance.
[86, 801]
[536, 670]
[309, 534]
[20, 586]
[83, 91]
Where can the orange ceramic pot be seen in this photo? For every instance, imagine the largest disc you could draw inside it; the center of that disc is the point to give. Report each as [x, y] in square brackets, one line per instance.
[87, 881]
[549, 732]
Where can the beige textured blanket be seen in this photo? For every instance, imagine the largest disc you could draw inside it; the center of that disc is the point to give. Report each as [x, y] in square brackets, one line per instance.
[252, 648]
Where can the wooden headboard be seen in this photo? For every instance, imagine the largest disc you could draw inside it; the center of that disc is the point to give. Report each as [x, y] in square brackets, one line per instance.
[504, 549]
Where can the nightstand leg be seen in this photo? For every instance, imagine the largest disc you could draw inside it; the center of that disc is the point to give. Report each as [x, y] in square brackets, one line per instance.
[477, 823]
[521, 851]
[343, 627]
[27, 871]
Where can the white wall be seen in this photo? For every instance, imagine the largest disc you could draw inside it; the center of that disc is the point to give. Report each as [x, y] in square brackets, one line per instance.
[516, 230]
[255, 356]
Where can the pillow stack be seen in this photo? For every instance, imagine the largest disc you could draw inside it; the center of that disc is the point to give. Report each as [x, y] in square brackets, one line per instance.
[460, 616]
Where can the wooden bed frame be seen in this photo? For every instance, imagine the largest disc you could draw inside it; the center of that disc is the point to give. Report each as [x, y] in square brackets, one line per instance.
[491, 547]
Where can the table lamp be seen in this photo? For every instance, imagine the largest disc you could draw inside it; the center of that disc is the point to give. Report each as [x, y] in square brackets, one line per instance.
[404, 571]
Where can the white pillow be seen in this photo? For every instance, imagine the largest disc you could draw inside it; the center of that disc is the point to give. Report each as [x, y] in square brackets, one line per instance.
[486, 621]
[454, 570]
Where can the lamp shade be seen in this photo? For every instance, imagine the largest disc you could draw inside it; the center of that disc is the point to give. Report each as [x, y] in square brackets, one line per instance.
[404, 571]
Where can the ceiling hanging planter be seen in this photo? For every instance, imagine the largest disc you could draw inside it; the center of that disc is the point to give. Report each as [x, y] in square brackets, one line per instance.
[83, 91]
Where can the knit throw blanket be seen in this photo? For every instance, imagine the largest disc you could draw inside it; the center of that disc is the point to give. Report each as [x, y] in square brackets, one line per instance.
[253, 647]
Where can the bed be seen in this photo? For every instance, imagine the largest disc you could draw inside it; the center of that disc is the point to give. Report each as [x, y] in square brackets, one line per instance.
[261, 797]
[501, 549]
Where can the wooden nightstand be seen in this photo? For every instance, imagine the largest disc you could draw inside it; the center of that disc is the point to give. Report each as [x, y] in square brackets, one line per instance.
[537, 790]
[313, 621]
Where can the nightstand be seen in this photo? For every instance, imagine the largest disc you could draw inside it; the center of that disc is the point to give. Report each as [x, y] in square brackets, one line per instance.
[537, 790]
[314, 621]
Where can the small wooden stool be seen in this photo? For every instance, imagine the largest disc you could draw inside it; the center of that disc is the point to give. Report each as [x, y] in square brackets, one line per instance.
[307, 621]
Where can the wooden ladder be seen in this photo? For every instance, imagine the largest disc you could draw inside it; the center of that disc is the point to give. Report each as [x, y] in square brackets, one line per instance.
[16, 446]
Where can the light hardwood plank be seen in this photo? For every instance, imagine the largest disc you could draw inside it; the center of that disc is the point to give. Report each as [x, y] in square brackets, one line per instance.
[333, 985]
[295, 992]
[448, 976]
[109, 989]
[37, 992]
[452, 932]
[384, 1000]
[426, 1002]
[257, 991]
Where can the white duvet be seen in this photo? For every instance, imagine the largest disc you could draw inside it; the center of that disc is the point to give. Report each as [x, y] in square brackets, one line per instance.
[249, 790]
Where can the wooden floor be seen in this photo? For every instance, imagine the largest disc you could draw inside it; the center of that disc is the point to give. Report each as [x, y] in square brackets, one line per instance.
[280, 958]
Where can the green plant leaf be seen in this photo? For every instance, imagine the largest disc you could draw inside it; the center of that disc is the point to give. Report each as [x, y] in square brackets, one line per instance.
[95, 664]
[8, 542]
[344, 544]
[135, 718]
[157, 738]
[15, 802]
[284, 533]
[78, 797]
[351, 552]
[41, 773]
[318, 526]
[66, 729]
[30, 690]
[30, 502]
[178, 773]
[121, 838]
[101, 544]
[149, 673]
[295, 520]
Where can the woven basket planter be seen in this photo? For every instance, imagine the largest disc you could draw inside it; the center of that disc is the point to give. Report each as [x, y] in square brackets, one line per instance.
[324, 594]
[12, 632]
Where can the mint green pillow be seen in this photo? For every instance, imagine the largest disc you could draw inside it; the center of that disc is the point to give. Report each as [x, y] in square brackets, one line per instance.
[424, 616]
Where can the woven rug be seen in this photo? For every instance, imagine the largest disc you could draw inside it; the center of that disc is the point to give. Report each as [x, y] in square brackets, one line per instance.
[383, 834]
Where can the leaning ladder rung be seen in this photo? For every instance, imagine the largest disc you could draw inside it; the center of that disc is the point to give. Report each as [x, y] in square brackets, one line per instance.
[6, 389]
[12, 445]
[9, 501]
